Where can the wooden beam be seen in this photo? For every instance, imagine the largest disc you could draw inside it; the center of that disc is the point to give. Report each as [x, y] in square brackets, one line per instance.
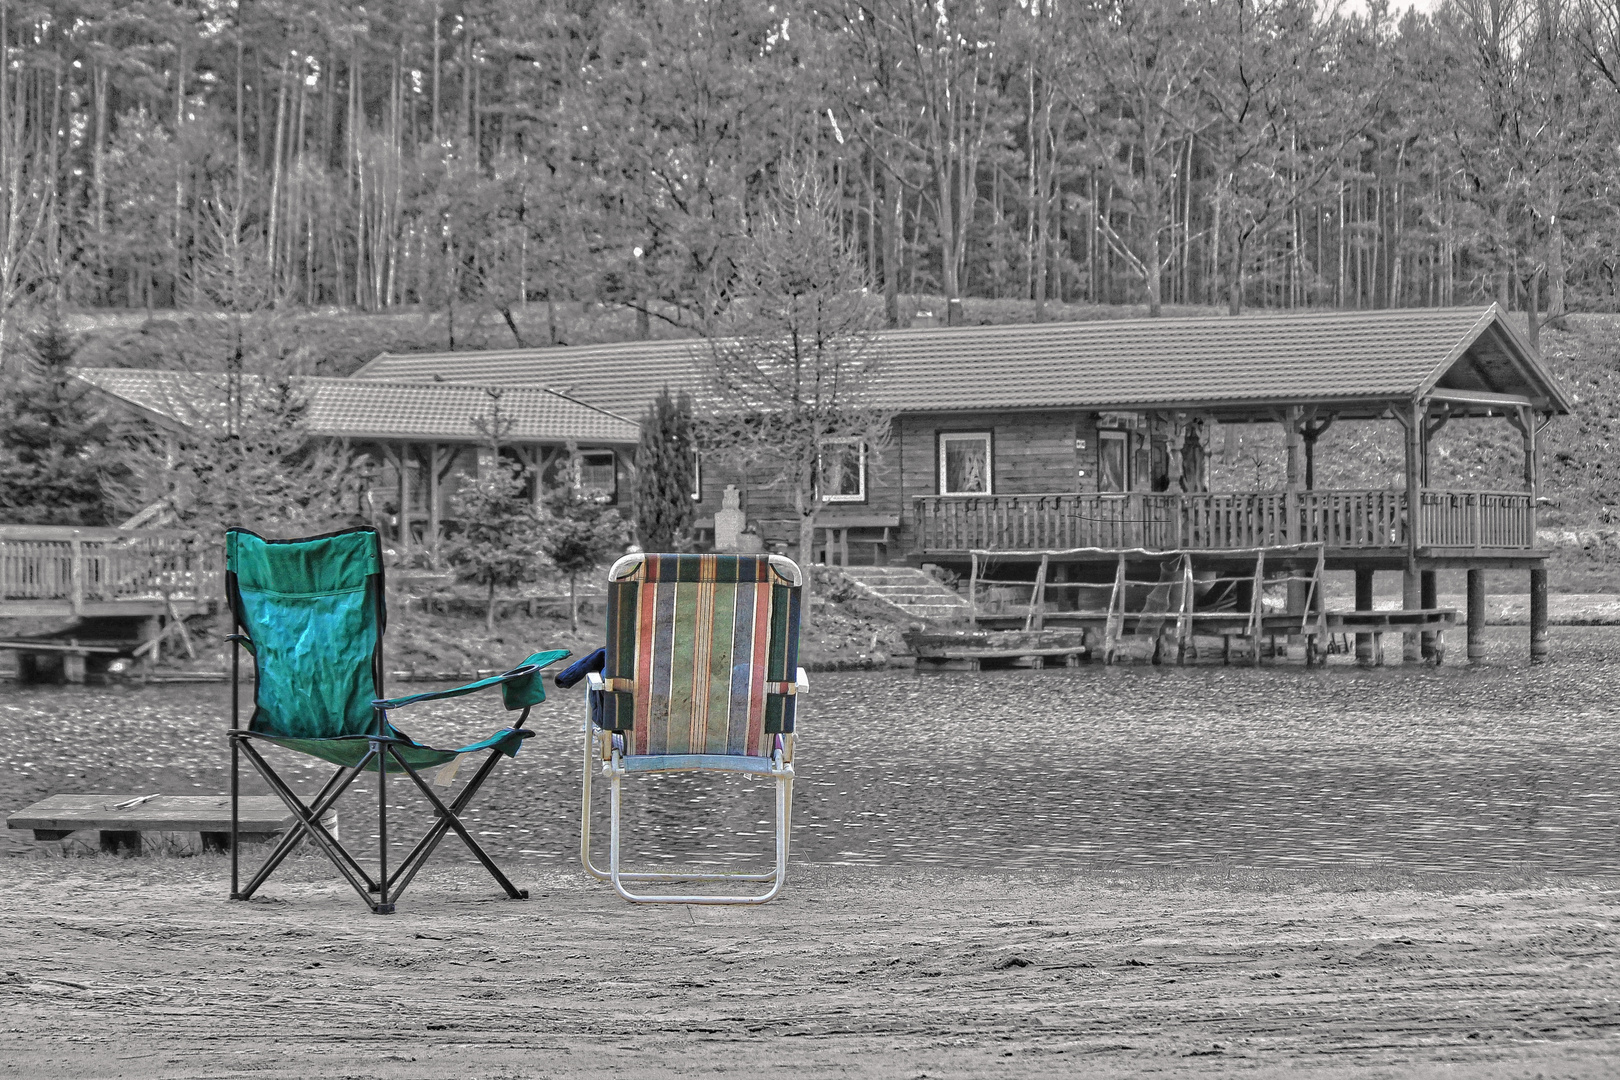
[973, 588]
[1035, 619]
[1115, 623]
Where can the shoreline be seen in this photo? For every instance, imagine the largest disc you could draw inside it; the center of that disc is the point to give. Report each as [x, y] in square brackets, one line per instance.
[139, 968]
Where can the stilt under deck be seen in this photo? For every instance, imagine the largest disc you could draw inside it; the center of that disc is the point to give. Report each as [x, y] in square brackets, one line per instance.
[1032, 538]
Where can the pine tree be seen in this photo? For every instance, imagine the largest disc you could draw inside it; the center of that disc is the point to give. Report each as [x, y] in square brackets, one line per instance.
[580, 536]
[53, 439]
[241, 455]
[500, 532]
[664, 475]
[791, 367]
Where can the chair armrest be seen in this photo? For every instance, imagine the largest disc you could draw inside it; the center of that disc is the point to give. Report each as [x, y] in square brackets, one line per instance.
[521, 687]
[802, 682]
[576, 671]
[242, 640]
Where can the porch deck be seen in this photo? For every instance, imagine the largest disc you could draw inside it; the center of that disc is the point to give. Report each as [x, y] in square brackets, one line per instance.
[51, 572]
[1350, 524]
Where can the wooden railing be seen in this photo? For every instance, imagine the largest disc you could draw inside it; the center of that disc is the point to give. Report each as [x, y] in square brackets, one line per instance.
[1346, 520]
[83, 566]
[1477, 519]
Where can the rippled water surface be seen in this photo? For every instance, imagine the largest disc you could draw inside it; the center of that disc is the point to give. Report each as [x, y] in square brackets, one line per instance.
[1450, 769]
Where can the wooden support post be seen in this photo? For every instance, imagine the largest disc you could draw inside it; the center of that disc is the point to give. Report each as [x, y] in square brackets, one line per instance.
[1429, 598]
[1476, 616]
[1319, 592]
[179, 625]
[1411, 600]
[1257, 604]
[1184, 628]
[973, 587]
[1114, 625]
[1538, 614]
[152, 639]
[433, 479]
[73, 665]
[1364, 602]
[401, 456]
[1035, 618]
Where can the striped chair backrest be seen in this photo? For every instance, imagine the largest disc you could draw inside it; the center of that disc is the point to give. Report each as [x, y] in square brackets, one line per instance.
[702, 653]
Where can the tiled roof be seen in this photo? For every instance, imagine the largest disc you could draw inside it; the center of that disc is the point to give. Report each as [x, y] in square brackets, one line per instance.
[375, 409]
[1256, 360]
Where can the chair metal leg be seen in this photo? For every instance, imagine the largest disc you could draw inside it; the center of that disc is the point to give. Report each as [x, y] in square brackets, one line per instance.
[784, 801]
[335, 851]
[428, 844]
[383, 906]
[449, 818]
[592, 733]
[317, 807]
[236, 838]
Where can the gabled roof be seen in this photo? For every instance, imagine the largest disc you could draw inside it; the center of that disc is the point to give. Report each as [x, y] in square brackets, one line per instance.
[1358, 361]
[349, 408]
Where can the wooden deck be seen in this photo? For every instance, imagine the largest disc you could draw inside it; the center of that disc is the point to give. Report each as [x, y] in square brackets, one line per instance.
[50, 571]
[1348, 523]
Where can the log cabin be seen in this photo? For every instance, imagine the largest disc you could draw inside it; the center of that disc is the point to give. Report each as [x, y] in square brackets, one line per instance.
[1066, 445]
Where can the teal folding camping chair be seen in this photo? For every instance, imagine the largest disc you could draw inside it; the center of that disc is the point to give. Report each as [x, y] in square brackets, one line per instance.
[700, 673]
[311, 613]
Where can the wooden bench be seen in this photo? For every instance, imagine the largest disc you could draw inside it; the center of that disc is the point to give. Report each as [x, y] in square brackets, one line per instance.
[833, 537]
[121, 819]
[1393, 620]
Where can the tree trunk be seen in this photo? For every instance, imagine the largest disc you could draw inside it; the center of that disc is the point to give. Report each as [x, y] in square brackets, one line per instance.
[1235, 298]
[807, 539]
[489, 609]
[893, 226]
[573, 601]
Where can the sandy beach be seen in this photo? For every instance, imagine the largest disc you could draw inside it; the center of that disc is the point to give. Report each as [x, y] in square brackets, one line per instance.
[140, 968]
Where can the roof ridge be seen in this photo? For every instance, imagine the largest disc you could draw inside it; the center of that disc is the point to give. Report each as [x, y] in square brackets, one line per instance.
[540, 352]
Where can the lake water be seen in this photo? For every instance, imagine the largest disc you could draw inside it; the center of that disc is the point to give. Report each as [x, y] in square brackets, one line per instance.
[1451, 770]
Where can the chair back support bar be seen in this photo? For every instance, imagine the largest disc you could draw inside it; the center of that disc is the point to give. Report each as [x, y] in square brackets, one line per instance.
[687, 670]
[313, 613]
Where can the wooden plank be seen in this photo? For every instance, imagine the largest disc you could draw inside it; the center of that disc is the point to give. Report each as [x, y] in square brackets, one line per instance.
[1037, 598]
[166, 813]
[62, 647]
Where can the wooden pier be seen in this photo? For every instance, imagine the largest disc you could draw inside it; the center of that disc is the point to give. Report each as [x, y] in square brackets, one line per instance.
[117, 593]
[1169, 604]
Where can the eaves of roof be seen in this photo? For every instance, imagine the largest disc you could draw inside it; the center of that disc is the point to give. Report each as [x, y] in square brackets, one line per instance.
[354, 409]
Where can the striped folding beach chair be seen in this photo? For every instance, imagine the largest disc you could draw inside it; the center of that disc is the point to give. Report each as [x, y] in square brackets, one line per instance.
[700, 673]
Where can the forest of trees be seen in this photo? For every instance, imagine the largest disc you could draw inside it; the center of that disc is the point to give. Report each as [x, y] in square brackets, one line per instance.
[490, 155]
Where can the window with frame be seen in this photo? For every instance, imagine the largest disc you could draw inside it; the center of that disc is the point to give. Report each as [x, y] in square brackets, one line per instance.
[1113, 461]
[964, 463]
[843, 470]
[599, 475]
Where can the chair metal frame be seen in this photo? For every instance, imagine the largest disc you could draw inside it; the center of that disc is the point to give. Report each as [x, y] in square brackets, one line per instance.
[381, 893]
[604, 752]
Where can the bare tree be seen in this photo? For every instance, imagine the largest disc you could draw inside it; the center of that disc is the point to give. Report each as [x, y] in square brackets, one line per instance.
[793, 358]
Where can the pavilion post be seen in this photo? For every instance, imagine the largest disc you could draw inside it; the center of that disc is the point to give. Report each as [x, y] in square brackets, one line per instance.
[1476, 616]
[433, 499]
[402, 466]
[1411, 595]
[1538, 614]
[1364, 602]
[1429, 598]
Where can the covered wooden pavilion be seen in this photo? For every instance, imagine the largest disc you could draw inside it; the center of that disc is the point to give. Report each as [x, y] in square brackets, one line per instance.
[1066, 443]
